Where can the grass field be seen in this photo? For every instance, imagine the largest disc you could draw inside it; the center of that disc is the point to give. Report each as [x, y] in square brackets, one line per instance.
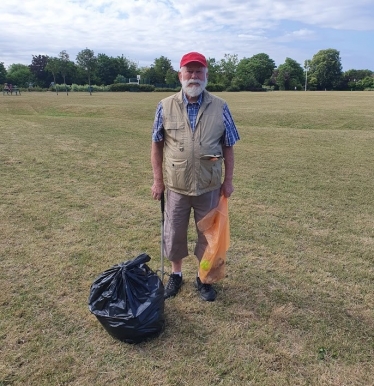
[296, 307]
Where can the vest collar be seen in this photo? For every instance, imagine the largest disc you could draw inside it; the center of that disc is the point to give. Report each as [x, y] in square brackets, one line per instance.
[204, 98]
[199, 100]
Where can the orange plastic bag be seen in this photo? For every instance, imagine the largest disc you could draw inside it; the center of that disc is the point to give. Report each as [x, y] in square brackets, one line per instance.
[216, 229]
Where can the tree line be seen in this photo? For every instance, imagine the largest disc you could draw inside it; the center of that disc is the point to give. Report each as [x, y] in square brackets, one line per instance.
[322, 72]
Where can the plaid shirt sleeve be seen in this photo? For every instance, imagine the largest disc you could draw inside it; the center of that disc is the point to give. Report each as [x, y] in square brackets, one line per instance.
[231, 135]
[158, 125]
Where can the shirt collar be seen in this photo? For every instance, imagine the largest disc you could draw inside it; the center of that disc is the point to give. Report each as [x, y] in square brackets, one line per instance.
[199, 101]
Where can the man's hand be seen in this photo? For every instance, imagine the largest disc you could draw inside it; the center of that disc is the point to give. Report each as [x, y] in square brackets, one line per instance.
[157, 189]
[227, 189]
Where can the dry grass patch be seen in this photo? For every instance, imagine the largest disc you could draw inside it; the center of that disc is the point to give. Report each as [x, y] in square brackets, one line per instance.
[296, 307]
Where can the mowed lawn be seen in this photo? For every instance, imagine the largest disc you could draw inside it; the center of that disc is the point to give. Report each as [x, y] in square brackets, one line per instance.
[296, 307]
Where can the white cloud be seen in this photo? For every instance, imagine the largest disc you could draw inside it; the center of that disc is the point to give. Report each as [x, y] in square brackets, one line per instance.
[143, 30]
[301, 34]
[252, 37]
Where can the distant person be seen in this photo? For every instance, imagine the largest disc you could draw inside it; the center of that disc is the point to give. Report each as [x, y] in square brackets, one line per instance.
[193, 134]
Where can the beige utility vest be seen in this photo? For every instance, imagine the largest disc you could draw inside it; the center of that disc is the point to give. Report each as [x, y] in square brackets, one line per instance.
[193, 160]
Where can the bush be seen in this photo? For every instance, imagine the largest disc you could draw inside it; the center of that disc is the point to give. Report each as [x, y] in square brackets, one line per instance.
[258, 89]
[37, 88]
[233, 88]
[146, 87]
[121, 87]
[120, 79]
[84, 88]
[215, 87]
[167, 85]
[60, 87]
[157, 89]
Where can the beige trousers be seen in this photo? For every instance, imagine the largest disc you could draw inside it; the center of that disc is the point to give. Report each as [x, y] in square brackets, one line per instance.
[177, 216]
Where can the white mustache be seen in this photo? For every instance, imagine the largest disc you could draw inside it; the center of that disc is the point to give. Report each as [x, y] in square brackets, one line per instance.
[194, 81]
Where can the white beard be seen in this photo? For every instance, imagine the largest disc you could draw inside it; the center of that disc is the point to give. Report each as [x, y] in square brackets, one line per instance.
[194, 90]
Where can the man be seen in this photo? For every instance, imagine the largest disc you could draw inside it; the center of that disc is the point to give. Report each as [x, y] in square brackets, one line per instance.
[193, 134]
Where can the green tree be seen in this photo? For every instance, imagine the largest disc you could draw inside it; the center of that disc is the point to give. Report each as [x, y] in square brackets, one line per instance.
[144, 73]
[109, 67]
[358, 74]
[127, 67]
[245, 83]
[326, 69]
[366, 83]
[171, 77]
[3, 73]
[213, 71]
[65, 66]
[20, 75]
[227, 69]
[290, 75]
[351, 79]
[53, 66]
[159, 69]
[260, 67]
[37, 67]
[272, 81]
[87, 61]
[73, 72]
[120, 79]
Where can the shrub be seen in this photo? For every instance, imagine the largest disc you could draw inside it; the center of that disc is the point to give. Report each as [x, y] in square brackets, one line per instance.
[60, 87]
[146, 87]
[233, 88]
[120, 79]
[120, 87]
[215, 87]
[85, 88]
[37, 88]
[158, 89]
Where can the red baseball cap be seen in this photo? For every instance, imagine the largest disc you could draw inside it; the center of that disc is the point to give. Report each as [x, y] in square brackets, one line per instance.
[193, 57]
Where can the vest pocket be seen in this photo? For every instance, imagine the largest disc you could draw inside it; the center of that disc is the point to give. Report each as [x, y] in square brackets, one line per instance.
[211, 173]
[175, 130]
[176, 173]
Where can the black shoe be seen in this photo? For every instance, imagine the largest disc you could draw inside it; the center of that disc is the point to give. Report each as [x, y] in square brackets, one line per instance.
[173, 286]
[206, 291]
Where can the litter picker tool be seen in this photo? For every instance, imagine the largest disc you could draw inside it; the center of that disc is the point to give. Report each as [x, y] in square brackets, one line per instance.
[162, 234]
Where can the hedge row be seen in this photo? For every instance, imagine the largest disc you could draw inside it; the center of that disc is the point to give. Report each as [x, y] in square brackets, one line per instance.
[215, 87]
[131, 87]
[149, 88]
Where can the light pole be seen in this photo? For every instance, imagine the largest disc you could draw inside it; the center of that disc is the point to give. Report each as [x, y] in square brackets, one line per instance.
[306, 66]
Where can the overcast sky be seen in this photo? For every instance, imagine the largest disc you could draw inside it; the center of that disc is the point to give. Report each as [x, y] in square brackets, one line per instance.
[143, 30]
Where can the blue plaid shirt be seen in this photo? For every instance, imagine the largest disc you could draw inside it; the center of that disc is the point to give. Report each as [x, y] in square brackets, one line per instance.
[230, 137]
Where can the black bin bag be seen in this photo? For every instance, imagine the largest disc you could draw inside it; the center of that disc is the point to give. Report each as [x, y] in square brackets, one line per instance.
[128, 300]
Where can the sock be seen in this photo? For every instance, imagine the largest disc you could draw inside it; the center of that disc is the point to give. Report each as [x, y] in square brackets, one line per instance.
[178, 273]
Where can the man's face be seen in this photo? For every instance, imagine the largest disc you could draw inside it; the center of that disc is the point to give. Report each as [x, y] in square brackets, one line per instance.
[193, 78]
